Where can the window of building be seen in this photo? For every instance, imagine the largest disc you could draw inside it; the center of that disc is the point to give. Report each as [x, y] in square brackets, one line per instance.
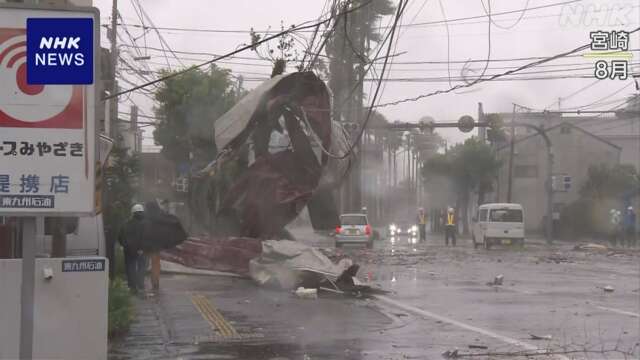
[525, 171]
[561, 182]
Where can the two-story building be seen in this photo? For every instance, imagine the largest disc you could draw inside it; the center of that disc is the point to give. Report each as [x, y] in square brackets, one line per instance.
[574, 151]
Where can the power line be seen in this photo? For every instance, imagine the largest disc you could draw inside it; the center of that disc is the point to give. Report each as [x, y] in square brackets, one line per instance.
[230, 54]
[162, 39]
[446, 26]
[495, 14]
[419, 24]
[425, 62]
[526, 7]
[494, 77]
[573, 93]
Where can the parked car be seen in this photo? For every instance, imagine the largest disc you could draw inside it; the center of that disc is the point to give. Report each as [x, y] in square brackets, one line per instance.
[498, 224]
[354, 229]
[403, 228]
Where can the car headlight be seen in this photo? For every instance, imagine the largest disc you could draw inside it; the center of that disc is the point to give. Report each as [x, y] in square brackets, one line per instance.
[414, 228]
[392, 227]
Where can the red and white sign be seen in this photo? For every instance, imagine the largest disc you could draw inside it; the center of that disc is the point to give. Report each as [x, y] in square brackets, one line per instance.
[34, 106]
[47, 132]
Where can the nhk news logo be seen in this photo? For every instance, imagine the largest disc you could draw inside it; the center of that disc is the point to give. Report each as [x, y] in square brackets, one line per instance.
[60, 51]
[42, 70]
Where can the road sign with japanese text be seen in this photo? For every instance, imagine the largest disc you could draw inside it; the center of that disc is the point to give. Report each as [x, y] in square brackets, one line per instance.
[47, 131]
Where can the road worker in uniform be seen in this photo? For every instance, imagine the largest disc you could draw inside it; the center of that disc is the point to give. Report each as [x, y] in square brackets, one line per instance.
[450, 227]
[421, 220]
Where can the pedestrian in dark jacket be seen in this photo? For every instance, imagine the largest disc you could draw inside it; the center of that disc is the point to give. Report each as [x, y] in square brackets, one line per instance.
[131, 238]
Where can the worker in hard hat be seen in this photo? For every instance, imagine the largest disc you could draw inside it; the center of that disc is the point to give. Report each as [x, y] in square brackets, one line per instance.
[450, 227]
[615, 222]
[421, 220]
[131, 238]
[630, 227]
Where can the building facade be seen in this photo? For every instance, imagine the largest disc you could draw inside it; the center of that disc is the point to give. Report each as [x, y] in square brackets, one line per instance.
[574, 151]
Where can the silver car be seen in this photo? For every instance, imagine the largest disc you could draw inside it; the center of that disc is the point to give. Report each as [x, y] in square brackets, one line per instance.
[354, 229]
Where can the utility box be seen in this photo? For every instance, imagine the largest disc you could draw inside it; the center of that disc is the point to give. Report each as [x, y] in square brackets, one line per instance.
[70, 308]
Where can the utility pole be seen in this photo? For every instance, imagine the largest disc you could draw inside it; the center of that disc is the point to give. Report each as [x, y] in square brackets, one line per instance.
[113, 102]
[482, 131]
[511, 153]
[360, 181]
[239, 87]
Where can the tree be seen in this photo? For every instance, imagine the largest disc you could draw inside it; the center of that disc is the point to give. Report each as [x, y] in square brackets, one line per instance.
[350, 45]
[495, 132]
[471, 167]
[119, 179]
[189, 104]
[630, 111]
[609, 182]
[606, 187]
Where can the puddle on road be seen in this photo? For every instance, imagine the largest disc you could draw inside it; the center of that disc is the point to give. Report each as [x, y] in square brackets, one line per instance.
[277, 351]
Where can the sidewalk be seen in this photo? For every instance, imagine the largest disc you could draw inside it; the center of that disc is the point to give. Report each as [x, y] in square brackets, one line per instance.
[233, 318]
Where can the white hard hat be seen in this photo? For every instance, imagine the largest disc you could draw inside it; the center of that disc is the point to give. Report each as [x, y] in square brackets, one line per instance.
[630, 208]
[450, 209]
[137, 208]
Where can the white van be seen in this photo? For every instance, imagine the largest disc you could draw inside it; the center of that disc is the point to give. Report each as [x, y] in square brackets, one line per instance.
[498, 224]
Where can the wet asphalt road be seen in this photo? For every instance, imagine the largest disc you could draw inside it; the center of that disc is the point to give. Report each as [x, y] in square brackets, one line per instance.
[439, 301]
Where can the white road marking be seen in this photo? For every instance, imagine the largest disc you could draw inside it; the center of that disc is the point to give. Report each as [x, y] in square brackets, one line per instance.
[489, 333]
[618, 311]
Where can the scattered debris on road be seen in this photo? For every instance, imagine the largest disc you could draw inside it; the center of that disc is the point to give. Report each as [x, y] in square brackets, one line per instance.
[538, 337]
[607, 288]
[450, 354]
[286, 264]
[497, 281]
[307, 293]
[590, 247]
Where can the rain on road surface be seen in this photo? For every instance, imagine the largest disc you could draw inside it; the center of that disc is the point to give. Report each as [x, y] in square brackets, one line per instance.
[439, 301]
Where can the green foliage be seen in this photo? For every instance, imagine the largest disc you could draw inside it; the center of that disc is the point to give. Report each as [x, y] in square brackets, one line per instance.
[120, 269]
[351, 42]
[471, 166]
[606, 181]
[120, 309]
[604, 189]
[495, 131]
[630, 111]
[189, 104]
[120, 178]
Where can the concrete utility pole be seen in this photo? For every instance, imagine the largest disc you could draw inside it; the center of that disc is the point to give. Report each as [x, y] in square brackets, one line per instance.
[511, 153]
[482, 131]
[360, 181]
[113, 102]
[239, 87]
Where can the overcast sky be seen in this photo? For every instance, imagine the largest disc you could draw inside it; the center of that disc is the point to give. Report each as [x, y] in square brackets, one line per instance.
[539, 32]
